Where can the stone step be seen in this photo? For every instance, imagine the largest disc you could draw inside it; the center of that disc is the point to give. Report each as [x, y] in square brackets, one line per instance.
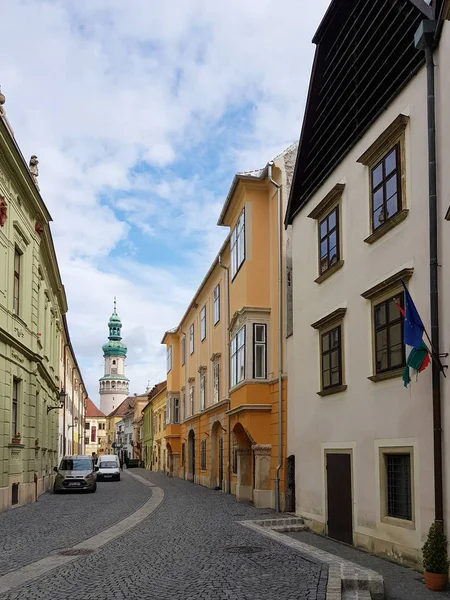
[356, 595]
[289, 528]
[281, 521]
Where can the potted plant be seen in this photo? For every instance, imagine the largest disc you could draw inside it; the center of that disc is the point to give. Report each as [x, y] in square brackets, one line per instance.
[16, 437]
[435, 559]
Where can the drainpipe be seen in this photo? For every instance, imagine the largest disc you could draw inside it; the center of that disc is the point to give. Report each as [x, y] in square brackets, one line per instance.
[424, 40]
[280, 346]
[227, 378]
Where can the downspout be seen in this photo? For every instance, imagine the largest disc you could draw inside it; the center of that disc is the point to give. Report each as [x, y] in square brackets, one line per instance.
[424, 40]
[280, 343]
[227, 378]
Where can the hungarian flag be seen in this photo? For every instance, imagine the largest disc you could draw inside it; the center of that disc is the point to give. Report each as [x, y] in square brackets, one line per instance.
[417, 353]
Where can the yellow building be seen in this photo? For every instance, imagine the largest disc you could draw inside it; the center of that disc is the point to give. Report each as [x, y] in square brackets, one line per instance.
[159, 461]
[226, 376]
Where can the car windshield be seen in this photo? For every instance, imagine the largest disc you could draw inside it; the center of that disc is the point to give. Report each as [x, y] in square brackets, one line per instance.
[76, 464]
[108, 464]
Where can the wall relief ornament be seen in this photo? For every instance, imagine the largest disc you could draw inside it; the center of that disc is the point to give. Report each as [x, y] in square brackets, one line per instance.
[3, 211]
[34, 169]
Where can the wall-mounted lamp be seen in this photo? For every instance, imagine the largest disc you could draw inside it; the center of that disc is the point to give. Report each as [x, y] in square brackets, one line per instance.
[75, 423]
[223, 429]
[62, 400]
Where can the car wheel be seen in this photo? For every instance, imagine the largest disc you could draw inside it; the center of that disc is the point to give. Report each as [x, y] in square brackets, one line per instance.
[55, 491]
[94, 489]
[118, 477]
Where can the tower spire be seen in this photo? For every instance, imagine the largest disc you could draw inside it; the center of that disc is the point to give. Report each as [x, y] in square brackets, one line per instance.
[115, 304]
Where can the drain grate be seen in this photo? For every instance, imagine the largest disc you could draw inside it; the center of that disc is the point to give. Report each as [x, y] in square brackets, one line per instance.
[76, 552]
[243, 549]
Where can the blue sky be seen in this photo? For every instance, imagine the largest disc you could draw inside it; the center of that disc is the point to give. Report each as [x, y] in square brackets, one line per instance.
[141, 113]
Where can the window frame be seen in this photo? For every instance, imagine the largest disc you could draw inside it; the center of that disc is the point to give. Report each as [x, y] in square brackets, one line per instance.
[264, 346]
[216, 380]
[237, 238]
[191, 339]
[183, 350]
[382, 185]
[17, 280]
[183, 405]
[329, 352]
[203, 454]
[237, 351]
[385, 300]
[192, 398]
[202, 391]
[325, 218]
[216, 303]
[384, 500]
[15, 398]
[203, 324]
[176, 411]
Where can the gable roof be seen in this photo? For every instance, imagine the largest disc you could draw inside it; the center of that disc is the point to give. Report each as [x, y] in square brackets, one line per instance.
[92, 410]
[365, 55]
[156, 389]
[122, 409]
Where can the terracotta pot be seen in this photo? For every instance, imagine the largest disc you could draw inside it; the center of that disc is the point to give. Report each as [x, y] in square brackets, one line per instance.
[436, 582]
[16, 440]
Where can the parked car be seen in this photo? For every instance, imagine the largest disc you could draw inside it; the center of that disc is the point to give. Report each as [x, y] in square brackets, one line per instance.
[75, 473]
[108, 467]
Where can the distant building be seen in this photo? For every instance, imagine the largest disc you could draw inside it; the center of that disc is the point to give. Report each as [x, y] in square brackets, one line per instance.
[113, 384]
[94, 429]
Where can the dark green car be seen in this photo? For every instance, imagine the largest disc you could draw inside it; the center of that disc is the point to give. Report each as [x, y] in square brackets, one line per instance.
[75, 473]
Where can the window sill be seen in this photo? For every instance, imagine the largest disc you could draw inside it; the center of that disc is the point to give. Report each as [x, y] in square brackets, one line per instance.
[396, 220]
[334, 390]
[329, 272]
[396, 522]
[394, 374]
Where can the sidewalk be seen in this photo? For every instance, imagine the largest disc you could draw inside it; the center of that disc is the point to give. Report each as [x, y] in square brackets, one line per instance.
[400, 583]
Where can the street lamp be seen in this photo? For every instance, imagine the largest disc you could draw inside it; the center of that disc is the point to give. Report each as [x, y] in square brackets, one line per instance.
[62, 401]
[75, 423]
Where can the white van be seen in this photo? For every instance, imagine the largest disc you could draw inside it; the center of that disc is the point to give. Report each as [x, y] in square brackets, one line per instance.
[108, 467]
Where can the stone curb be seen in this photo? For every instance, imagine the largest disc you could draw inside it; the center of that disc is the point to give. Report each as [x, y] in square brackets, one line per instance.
[346, 580]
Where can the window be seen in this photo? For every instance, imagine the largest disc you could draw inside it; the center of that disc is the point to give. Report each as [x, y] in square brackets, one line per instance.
[183, 350]
[86, 440]
[87, 425]
[15, 407]
[191, 339]
[191, 398]
[93, 434]
[203, 323]
[183, 404]
[176, 410]
[386, 188]
[16, 290]
[165, 418]
[202, 391]
[216, 375]
[238, 357]
[169, 359]
[331, 358]
[259, 351]
[182, 454]
[329, 241]
[235, 456]
[217, 304]
[388, 331]
[203, 455]
[398, 478]
[238, 244]
[169, 410]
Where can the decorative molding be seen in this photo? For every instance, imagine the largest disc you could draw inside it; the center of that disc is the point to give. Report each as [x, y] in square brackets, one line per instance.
[215, 356]
[17, 357]
[19, 332]
[262, 449]
[39, 228]
[240, 317]
[334, 390]
[191, 379]
[20, 236]
[3, 211]
[249, 408]
[324, 205]
[244, 451]
[387, 139]
[389, 282]
[202, 369]
[394, 374]
[335, 316]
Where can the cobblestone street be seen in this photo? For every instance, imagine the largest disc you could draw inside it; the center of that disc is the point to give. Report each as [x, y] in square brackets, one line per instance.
[189, 548]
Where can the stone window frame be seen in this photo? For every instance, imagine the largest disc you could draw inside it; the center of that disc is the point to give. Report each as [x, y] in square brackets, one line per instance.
[203, 324]
[262, 344]
[332, 201]
[323, 326]
[384, 517]
[392, 136]
[385, 289]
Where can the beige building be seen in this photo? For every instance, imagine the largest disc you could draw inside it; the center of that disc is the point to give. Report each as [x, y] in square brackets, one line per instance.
[34, 338]
[359, 204]
[94, 430]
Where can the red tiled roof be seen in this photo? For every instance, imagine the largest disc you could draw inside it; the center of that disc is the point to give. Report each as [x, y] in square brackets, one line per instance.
[122, 409]
[92, 410]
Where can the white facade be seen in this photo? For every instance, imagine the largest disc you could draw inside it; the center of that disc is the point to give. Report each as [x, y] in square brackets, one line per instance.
[371, 417]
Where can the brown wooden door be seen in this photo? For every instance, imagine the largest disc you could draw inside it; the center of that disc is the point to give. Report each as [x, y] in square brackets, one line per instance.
[339, 493]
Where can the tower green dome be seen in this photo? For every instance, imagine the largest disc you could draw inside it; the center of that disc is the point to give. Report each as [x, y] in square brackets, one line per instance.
[114, 347]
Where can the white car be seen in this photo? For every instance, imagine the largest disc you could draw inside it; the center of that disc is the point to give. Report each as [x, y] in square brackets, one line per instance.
[108, 467]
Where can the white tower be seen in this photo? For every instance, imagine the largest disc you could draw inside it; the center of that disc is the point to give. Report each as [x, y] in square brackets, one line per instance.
[113, 384]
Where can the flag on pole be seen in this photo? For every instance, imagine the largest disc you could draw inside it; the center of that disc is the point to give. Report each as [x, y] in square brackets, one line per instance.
[417, 353]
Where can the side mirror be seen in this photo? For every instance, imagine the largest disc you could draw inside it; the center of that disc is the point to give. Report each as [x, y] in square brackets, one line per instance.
[55, 469]
[96, 469]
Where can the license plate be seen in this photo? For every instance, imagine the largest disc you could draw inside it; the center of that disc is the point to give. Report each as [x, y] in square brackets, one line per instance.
[106, 476]
[74, 484]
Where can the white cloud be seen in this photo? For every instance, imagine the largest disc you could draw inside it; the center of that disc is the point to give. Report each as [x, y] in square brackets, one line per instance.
[96, 88]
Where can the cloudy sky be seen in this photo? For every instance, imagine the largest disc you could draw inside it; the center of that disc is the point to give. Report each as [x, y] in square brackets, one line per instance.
[140, 113]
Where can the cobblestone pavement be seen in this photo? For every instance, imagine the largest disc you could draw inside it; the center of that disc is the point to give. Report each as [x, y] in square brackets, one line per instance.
[185, 550]
[400, 583]
[57, 522]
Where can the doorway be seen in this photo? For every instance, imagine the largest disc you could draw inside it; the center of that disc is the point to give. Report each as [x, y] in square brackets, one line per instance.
[339, 497]
[191, 456]
[290, 489]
